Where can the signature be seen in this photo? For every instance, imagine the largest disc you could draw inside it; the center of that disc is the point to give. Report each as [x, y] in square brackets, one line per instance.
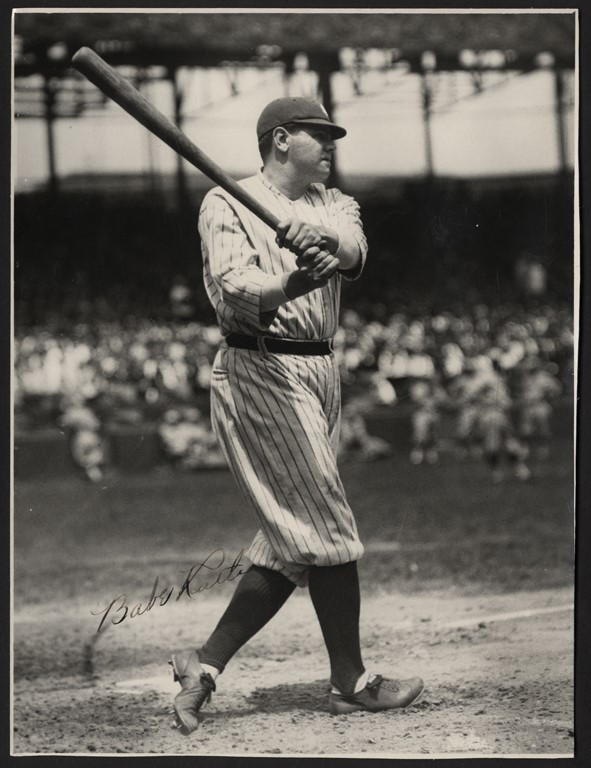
[118, 610]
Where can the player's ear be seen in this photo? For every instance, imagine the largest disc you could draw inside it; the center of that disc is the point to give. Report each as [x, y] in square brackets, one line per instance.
[281, 138]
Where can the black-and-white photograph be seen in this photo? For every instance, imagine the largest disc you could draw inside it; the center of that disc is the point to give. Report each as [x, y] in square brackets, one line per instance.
[295, 318]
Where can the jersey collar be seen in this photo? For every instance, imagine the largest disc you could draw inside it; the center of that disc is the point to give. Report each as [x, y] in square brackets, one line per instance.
[273, 188]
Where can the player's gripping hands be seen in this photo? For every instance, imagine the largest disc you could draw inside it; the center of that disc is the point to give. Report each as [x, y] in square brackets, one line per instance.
[316, 262]
[313, 246]
[297, 236]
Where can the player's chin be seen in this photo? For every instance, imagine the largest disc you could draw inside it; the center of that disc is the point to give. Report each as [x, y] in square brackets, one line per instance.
[323, 170]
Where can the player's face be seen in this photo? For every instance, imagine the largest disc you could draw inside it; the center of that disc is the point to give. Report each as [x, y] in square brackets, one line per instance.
[310, 151]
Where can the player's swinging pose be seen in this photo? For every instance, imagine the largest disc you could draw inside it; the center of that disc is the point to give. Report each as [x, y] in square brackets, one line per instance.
[276, 405]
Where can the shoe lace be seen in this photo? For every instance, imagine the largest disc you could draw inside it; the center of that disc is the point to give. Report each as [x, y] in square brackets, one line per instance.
[207, 688]
[389, 685]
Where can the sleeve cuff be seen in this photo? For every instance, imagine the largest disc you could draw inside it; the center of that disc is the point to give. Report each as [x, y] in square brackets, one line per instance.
[355, 272]
[241, 290]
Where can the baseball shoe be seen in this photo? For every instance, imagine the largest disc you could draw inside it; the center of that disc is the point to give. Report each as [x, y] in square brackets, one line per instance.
[378, 695]
[196, 689]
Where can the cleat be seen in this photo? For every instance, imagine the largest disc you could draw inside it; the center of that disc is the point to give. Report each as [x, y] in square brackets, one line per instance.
[196, 689]
[378, 695]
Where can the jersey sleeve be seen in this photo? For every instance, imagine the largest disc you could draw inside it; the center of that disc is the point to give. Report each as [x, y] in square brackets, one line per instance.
[345, 219]
[232, 263]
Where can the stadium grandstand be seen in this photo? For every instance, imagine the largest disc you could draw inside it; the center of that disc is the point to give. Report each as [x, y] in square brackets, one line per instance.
[461, 150]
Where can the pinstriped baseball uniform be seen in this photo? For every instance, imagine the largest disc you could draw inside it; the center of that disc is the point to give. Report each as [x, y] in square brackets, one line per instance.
[277, 415]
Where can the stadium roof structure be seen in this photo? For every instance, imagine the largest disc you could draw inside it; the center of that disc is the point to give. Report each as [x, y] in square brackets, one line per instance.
[208, 39]
[46, 86]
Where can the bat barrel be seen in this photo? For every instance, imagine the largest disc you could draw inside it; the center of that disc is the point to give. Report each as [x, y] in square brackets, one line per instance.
[117, 88]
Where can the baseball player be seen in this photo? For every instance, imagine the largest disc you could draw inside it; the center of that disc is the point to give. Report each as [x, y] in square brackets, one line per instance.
[465, 394]
[427, 396]
[275, 396]
[494, 428]
[537, 390]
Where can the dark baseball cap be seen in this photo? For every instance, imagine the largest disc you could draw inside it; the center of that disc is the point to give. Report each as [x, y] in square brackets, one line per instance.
[296, 109]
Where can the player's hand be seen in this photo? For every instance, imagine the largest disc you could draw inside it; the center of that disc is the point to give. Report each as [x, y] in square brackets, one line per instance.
[297, 236]
[325, 268]
[300, 282]
[318, 263]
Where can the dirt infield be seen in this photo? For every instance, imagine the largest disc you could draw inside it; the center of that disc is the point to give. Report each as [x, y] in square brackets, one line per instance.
[465, 583]
[498, 673]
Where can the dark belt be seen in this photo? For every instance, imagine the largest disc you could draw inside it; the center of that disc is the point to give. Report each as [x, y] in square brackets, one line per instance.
[279, 346]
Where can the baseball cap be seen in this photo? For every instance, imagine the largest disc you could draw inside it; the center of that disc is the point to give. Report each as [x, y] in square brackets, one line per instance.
[296, 109]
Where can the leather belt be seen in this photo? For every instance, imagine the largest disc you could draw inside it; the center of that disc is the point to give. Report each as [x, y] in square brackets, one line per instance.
[279, 346]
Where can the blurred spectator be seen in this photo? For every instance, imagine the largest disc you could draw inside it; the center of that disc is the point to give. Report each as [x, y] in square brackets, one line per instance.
[181, 299]
[86, 441]
[530, 276]
[188, 440]
[360, 399]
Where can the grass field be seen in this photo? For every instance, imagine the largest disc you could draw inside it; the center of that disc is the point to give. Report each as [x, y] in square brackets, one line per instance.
[444, 525]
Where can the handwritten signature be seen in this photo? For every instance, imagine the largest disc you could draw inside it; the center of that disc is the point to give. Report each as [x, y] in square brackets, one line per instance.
[118, 610]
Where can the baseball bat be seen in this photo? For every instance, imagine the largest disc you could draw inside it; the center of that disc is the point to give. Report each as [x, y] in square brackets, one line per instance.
[117, 88]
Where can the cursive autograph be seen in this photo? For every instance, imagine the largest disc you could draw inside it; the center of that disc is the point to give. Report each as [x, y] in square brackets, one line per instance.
[118, 609]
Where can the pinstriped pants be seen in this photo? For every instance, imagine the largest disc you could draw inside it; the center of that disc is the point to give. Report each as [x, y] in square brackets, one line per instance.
[277, 421]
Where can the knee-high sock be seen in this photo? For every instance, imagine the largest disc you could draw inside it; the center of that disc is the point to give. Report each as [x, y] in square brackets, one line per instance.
[335, 594]
[259, 595]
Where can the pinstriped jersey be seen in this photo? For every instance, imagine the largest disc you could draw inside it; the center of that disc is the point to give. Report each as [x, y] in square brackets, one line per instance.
[240, 254]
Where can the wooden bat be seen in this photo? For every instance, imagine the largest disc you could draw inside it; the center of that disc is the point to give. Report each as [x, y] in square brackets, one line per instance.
[131, 100]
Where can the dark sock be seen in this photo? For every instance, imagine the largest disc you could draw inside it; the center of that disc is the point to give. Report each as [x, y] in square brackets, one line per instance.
[259, 595]
[335, 595]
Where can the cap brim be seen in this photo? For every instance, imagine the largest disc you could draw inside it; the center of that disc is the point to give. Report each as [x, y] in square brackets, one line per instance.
[336, 131]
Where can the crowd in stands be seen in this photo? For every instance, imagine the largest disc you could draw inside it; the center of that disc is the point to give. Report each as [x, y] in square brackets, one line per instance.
[139, 369]
[495, 371]
[113, 327]
[145, 362]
